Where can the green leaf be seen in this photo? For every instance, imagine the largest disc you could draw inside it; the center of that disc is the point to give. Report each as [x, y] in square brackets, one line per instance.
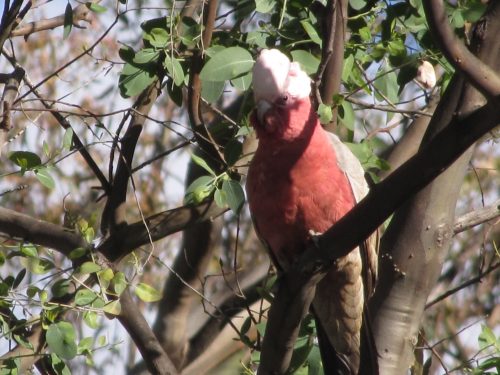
[357, 4]
[257, 38]
[227, 64]
[60, 338]
[68, 20]
[243, 83]
[19, 278]
[158, 37]
[126, 53]
[191, 31]
[220, 198]
[264, 6]
[387, 84]
[234, 195]
[487, 338]
[307, 61]
[147, 293]
[85, 345]
[77, 253]
[311, 32]
[199, 189]
[60, 288]
[119, 282]
[211, 91]
[96, 8]
[346, 115]
[89, 267]
[113, 308]
[91, 318]
[325, 113]
[39, 266]
[32, 291]
[135, 79]
[174, 68]
[85, 297]
[106, 274]
[25, 159]
[58, 365]
[145, 56]
[29, 250]
[68, 139]
[45, 178]
[202, 163]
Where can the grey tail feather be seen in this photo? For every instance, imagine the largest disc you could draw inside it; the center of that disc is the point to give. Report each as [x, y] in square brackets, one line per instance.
[333, 363]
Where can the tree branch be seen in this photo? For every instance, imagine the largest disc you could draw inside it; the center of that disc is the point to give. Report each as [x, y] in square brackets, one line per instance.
[477, 217]
[9, 20]
[138, 328]
[113, 215]
[481, 76]
[80, 13]
[329, 75]
[464, 285]
[292, 301]
[163, 224]
[17, 225]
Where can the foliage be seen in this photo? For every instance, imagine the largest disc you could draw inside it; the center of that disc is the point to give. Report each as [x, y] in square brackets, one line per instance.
[84, 87]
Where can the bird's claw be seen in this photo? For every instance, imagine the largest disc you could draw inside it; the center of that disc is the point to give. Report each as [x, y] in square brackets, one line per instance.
[314, 236]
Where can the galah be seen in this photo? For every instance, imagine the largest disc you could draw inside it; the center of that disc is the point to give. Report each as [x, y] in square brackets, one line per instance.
[301, 181]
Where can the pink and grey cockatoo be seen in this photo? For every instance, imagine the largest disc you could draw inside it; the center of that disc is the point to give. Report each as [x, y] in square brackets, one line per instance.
[301, 181]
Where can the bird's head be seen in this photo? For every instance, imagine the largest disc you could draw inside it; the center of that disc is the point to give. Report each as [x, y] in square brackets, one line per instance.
[279, 87]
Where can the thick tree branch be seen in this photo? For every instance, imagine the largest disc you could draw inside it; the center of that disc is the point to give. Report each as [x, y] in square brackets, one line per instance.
[163, 224]
[113, 215]
[9, 95]
[20, 226]
[138, 328]
[9, 20]
[482, 77]
[327, 81]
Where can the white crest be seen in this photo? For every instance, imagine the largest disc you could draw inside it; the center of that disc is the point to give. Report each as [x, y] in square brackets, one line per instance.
[275, 77]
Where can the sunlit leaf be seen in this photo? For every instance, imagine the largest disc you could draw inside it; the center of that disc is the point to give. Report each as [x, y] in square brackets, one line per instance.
[202, 163]
[113, 308]
[89, 267]
[307, 61]
[85, 297]
[264, 6]
[97, 8]
[68, 139]
[147, 293]
[45, 178]
[227, 64]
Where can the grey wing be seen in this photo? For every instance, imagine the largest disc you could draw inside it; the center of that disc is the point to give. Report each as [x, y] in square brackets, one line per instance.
[355, 173]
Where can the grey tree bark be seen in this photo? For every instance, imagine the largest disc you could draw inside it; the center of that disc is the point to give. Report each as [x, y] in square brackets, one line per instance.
[415, 245]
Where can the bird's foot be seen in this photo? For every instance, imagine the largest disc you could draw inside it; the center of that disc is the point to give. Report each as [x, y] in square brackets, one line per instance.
[314, 236]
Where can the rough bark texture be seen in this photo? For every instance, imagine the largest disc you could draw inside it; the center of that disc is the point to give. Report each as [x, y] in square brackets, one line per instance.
[415, 244]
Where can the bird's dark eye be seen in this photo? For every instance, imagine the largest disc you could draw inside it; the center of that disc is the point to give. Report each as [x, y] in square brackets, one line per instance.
[283, 99]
